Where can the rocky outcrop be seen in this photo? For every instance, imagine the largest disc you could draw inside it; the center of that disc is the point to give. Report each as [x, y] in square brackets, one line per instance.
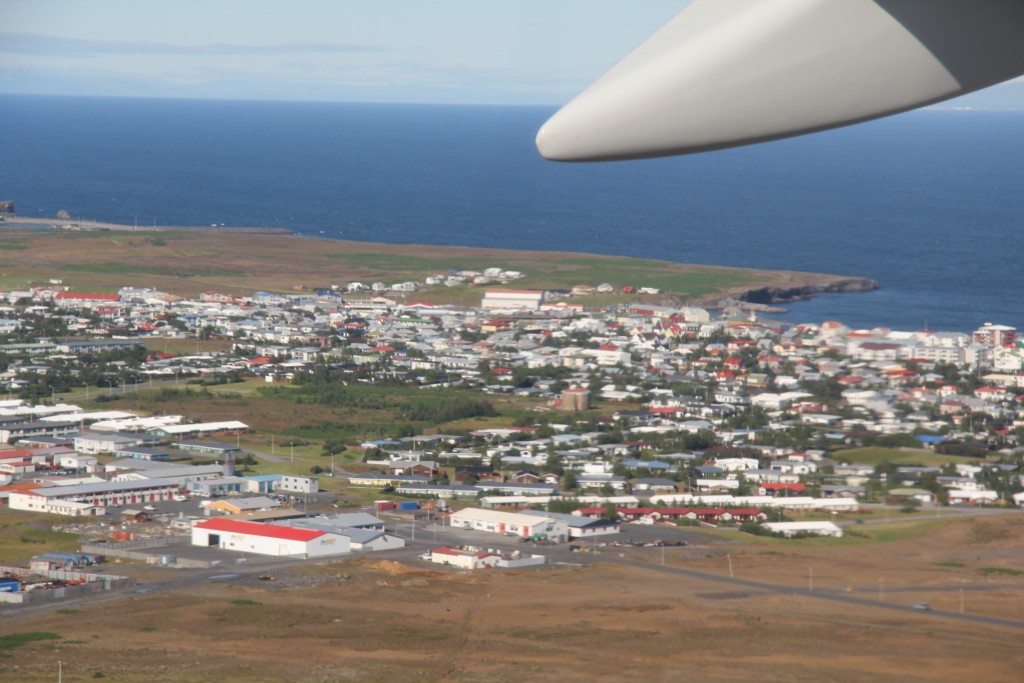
[781, 295]
[6, 208]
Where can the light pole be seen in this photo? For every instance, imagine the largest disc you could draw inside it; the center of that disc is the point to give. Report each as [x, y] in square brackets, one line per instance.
[885, 494]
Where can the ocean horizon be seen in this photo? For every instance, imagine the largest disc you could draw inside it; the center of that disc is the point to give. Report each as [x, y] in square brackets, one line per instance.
[929, 204]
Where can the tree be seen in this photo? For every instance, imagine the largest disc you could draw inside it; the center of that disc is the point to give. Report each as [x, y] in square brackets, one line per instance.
[333, 447]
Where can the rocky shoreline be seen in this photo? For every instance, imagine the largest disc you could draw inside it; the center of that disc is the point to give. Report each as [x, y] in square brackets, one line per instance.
[783, 295]
[767, 299]
[76, 225]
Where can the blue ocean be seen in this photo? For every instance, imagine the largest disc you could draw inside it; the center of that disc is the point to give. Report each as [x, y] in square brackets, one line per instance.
[930, 204]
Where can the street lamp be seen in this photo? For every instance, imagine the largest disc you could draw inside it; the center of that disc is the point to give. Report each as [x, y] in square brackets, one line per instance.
[885, 494]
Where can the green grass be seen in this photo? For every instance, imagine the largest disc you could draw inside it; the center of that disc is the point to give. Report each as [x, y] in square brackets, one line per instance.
[13, 640]
[902, 531]
[1005, 571]
[562, 274]
[25, 534]
[120, 268]
[245, 601]
[651, 273]
[897, 456]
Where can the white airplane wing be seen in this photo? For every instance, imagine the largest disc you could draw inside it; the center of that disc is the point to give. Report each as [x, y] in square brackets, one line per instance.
[724, 73]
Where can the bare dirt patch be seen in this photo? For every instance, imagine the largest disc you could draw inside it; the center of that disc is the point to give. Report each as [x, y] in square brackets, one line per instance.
[380, 620]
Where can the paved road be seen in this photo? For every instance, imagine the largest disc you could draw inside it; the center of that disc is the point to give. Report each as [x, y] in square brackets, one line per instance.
[562, 554]
[422, 537]
[831, 595]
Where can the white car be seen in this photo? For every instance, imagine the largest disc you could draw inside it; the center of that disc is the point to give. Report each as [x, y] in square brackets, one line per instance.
[149, 508]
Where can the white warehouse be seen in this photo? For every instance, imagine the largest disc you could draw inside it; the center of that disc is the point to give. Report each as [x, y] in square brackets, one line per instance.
[521, 524]
[268, 539]
[501, 299]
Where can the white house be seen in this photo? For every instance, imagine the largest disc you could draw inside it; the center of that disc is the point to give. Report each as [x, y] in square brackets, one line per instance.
[973, 497]
[293, 484]
[465, 559]
[790, 529]
[521, 524]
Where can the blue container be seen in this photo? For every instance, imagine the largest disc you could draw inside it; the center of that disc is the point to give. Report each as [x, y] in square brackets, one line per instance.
[409, 505]
[9, 586]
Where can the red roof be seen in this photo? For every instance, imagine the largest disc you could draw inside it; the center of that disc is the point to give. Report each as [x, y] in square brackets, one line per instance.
[285, 533]
[780, 486]
[17, 453]
[635, 511]
[674, 511]
[743, 512]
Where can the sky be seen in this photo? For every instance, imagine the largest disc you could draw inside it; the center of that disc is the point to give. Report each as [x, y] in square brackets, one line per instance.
[445, 51]
[419, 51]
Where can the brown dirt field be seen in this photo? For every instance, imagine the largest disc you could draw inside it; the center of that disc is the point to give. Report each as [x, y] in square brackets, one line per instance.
[372, 620]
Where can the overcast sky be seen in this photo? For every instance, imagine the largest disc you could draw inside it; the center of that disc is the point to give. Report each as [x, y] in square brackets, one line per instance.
[458, 51]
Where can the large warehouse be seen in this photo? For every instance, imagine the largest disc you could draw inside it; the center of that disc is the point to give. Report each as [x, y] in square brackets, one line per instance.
[93, 499]
[268, 539]
[511, 523]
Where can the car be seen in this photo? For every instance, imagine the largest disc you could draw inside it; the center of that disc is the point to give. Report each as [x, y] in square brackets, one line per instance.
[923, 606]
[149, 508]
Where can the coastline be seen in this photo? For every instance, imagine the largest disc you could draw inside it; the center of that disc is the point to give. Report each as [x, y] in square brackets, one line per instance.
[762, 292]
[74, 225]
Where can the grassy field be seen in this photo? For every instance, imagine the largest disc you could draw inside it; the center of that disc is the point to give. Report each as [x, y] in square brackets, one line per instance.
[897, 456]
[189, 262]
[279, 417]
[25, 534]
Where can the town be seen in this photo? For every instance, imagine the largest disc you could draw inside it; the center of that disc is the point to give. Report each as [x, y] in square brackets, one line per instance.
[530, 419]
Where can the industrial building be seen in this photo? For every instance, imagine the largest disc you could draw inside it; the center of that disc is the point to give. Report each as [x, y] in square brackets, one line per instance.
[92, 499]
[269, 539]
[505, 299]
[523, 524]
